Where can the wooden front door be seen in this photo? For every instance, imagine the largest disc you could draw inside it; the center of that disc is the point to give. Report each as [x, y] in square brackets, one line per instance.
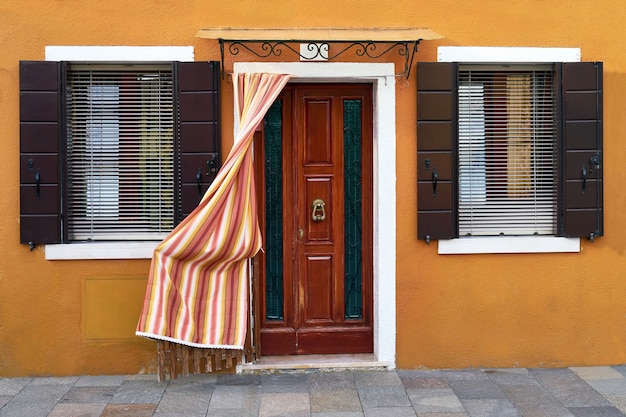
[315, 184]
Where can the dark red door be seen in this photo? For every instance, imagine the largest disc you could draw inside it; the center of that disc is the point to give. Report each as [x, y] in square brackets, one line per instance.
[317, 287]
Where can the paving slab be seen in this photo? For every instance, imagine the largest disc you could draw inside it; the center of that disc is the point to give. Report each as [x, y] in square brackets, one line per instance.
[383, 396]
[100, 381]
[234, 412]
[5, 399]
[239, 379]
[139, 392]
[184, 402]
[345, 400]
[595, 412]
[390, 412]
[285, 383]
[490, 408]
[27, 408]
[129, 410]
[89, 395]
[77, 409]
[609, 386]
[597, 372]
[35, 399]
[618, 401]
[284, 405]
[420, 373]
[382, 378]
[621, 369]
[236, 397]
[533, 401]
[62, 380]
[423, 382]
[12, 386]
[435, 400]
[465, 374]
[464, 389]
[512, 377]
[330, 381]
[568, 388]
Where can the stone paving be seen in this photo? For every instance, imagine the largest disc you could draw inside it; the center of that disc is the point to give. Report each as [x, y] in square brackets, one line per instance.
[565, 392]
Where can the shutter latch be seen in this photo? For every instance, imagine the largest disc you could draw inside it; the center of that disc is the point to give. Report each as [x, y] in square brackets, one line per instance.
[211, 163]
[594, 163]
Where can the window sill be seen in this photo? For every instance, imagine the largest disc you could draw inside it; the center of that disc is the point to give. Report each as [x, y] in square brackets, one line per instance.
[101, 250]
[527, 244]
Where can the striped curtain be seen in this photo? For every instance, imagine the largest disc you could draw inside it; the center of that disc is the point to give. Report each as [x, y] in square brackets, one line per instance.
[197, 291]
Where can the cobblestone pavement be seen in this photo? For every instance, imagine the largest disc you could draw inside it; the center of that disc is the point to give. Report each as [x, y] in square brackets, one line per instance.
[566, 392]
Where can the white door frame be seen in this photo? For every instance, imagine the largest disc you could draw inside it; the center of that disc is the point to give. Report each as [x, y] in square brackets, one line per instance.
[382, 78]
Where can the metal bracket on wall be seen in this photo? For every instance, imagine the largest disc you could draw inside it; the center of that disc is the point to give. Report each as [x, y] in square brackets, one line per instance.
[319, 50]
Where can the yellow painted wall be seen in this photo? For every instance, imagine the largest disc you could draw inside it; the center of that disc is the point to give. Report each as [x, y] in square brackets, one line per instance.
[453, 311]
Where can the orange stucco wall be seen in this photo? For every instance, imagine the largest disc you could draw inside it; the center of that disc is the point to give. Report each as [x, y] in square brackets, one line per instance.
[452, 311]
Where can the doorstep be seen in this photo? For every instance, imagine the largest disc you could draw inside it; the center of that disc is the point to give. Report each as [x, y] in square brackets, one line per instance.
[303, 363]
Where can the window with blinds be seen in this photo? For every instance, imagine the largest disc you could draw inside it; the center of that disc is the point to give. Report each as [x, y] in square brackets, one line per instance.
[120, 152]
[507, 152]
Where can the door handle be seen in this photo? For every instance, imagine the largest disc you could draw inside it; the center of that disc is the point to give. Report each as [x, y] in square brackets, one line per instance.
[319, 210]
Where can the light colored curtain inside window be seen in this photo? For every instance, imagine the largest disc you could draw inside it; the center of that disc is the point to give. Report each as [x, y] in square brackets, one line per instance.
[519, 135]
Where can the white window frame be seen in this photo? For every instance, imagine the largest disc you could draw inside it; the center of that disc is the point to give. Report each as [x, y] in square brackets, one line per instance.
[111, 250]
[507, 244]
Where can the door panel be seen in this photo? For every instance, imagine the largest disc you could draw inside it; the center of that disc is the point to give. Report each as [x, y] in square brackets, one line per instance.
[317, 267]
[318, 279]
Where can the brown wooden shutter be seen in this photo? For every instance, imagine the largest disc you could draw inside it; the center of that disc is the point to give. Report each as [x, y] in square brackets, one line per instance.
[436, 150]
[582, 190]
[198, 102]
[40, 144]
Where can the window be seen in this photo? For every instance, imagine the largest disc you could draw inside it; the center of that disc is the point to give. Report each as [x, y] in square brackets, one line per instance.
[506, 152]
[120, 152]
[509, 150]
[114, 152]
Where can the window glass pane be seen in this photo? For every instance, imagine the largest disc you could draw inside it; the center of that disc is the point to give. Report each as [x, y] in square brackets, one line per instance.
[120, 153]
[102, 144]
[353, 209]
[472, 164]
[274, 213]
[507, 162]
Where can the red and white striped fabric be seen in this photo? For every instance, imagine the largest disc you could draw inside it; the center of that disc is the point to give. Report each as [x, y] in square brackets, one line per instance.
[197, 290]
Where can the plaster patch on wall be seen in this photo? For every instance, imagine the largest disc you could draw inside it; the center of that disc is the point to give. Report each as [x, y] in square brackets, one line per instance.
[111, 307]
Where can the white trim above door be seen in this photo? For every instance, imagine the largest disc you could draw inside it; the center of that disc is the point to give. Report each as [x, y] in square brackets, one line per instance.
[382, 77]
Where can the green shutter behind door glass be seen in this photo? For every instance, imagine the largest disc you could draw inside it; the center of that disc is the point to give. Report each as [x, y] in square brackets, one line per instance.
[274, 213]
[353, 209]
